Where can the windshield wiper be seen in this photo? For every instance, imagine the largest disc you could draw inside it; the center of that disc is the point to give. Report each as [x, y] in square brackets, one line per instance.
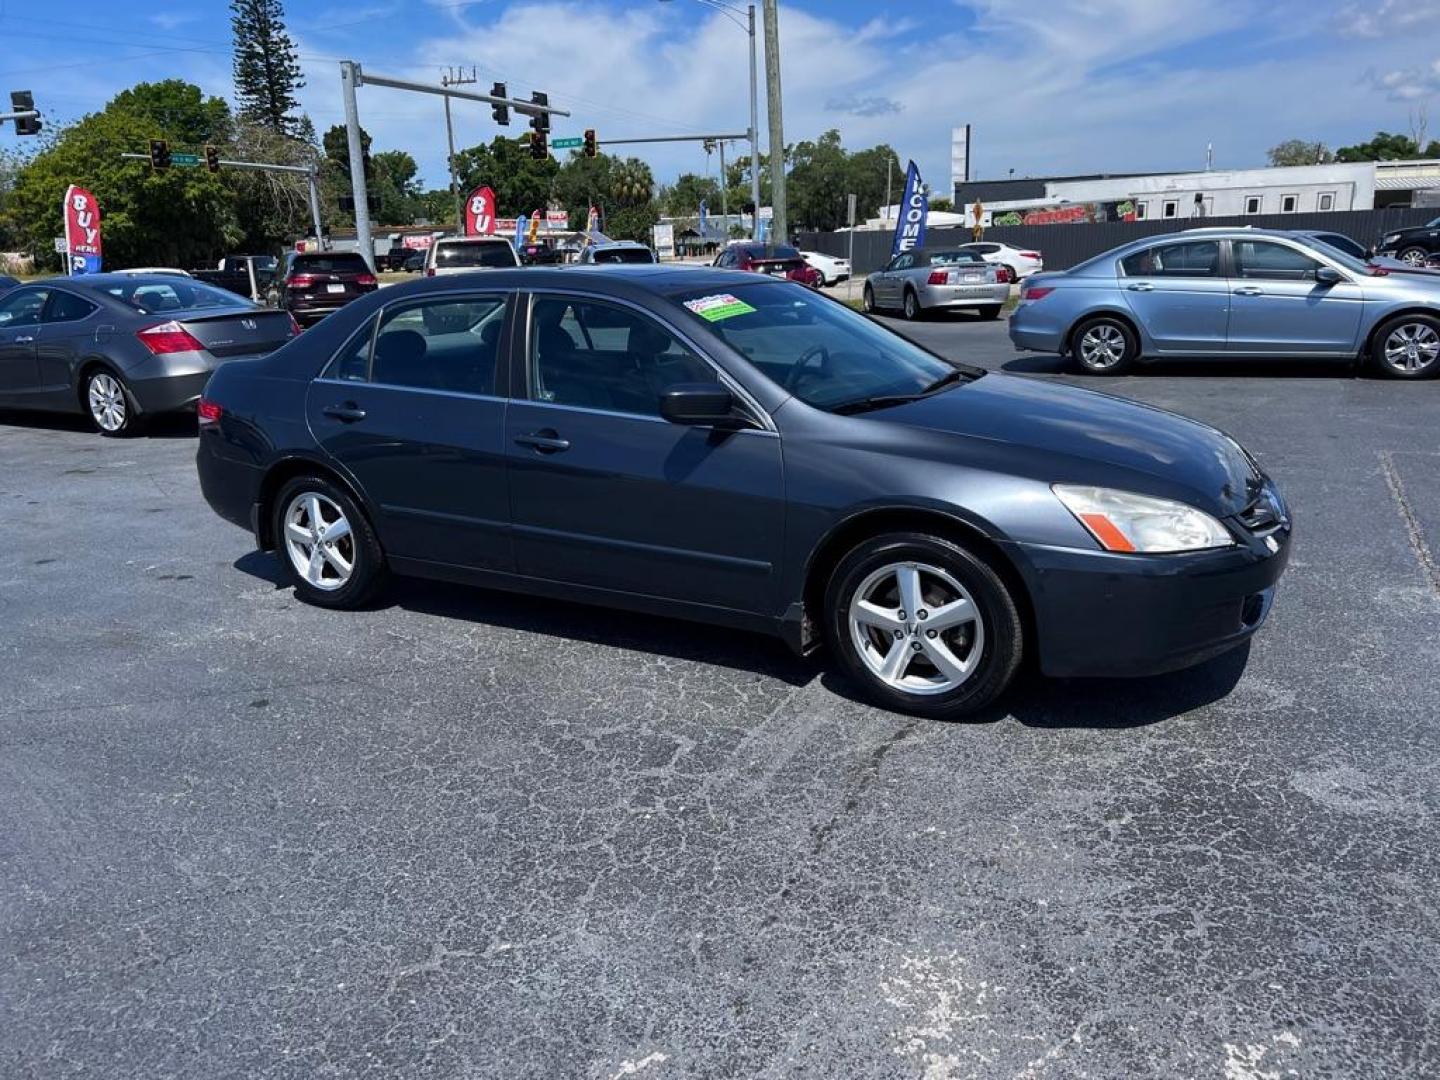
[884, 401]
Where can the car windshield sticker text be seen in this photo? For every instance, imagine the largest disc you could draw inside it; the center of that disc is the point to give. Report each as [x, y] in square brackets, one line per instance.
[717, 307]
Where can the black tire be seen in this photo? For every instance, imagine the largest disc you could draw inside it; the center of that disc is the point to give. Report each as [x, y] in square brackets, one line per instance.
[1426, 357]
[990, 312]
[1415, 256]
[1105, 327]
[99, 385]
[368, 570]
[911, 305]
[1000, 648]
[867, 299]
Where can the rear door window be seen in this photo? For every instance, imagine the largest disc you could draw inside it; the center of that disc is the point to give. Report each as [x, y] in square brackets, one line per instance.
[66, 307]
[1198, 258]
[450, 345]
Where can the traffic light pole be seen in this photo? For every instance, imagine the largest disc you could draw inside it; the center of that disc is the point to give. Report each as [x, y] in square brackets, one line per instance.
[351, 78]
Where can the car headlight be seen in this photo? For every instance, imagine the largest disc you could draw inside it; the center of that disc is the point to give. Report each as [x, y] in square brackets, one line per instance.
[1391, 238]
[1122, 521]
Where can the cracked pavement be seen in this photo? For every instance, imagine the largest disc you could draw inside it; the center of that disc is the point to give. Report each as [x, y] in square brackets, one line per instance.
[474, 835]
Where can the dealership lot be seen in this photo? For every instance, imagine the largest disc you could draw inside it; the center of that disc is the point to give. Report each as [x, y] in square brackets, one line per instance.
[470, 835]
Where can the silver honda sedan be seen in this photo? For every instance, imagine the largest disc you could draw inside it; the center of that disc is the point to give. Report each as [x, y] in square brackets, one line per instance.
[1232, 293]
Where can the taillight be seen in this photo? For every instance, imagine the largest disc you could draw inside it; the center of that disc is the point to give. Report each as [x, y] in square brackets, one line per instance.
[208, 412]
[939, 277]
[1037, 292]
[168, 337]
[1029, 254]
[1002, 275]
[295, 326]
[366, 279]
[302, 281]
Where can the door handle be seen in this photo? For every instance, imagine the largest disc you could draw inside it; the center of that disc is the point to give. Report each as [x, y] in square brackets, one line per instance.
[347, 413]
[23, 338]
[1141, 286]
[1249, 290]
[545, 441]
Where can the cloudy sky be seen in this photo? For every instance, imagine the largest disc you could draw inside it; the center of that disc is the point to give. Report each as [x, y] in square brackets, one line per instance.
[1051, 86]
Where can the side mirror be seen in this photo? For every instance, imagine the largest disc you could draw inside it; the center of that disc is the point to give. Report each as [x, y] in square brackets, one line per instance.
[1328, 275]
[697, 403]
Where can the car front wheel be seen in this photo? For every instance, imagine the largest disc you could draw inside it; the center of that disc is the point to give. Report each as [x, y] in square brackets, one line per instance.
[1415, 256]
[1104, 346]
[923, 626]
[868, 300]
[326, 544]
[991, 311]
[1408, 347]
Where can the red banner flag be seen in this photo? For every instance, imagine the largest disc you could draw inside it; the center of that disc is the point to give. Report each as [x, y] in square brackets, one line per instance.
[480, 213]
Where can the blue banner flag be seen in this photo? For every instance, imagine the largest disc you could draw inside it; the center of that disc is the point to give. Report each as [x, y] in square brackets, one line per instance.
[914, 209]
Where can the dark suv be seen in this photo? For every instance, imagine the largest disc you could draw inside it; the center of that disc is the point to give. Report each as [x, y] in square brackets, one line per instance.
[1413, 245]
[317, 283]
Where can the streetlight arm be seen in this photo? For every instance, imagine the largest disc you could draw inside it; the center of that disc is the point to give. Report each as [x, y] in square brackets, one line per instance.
[730, 11]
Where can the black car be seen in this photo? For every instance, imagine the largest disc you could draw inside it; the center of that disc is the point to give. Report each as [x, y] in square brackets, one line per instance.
[316, 284]
[120, 347]
[746, 452]
[7, 282]
[1413, 245]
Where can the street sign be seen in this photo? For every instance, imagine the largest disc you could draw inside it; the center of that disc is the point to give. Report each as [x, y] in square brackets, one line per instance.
[185, 159]
[566, 144]
[60, 246]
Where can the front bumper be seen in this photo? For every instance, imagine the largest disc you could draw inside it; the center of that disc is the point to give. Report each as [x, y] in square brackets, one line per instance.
[939, 297]
[1098, 613]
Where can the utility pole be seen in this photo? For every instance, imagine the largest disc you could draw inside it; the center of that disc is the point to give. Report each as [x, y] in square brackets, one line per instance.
[349, 77]
[454, 78]
[724, 187]
[754, 134]
[778, 231]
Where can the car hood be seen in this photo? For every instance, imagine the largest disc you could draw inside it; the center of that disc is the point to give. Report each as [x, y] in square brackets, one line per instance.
[1064, 434]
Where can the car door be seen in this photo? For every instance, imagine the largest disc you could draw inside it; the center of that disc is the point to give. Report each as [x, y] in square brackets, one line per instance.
[606, 493]
[1278, 307]
[20, 312]
[1179, 294]
[67, 328]
[412, 408]
[892, 278]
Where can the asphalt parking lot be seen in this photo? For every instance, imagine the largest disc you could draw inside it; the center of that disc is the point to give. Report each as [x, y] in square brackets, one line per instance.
[472, 835]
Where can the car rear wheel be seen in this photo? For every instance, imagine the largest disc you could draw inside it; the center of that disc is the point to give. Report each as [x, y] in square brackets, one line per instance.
[867, 299]
[912, 305]
[1104, 346]
[923, 626]
[990, 312]
[1415, 256]
[1408, 347]
[109, 403]
[326, 544]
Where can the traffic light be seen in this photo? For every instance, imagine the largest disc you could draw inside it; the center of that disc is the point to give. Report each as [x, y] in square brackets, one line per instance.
[159, 154]
[539, 145]
[24, 101]
[592, 145]
[541, 120]
[212, 158]
[501, 113]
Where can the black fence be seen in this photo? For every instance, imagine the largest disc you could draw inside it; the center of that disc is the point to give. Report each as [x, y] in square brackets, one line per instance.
[1064, 246]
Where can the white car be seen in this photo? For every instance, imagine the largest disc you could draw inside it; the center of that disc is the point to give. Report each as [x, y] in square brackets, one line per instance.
[461, 254]
[1021, 262]
[168, 271]
[832, 270]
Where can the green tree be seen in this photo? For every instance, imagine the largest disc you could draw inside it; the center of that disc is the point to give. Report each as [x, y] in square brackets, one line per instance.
[683, 198]
[437, 206]
[1388, 146]
[395, 184]
[817, 184]
[274, 208]
[266, 67]
[582, 183]
[1299, 152]
[175, 217]
[178, 109]
[868, 174]
[942, 204]
[521, 184]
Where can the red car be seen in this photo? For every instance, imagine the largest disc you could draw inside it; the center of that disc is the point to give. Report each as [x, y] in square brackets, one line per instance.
[778, 261]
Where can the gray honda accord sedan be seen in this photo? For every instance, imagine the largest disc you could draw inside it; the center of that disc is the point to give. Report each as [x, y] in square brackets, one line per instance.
[121, 347]
[742, 450]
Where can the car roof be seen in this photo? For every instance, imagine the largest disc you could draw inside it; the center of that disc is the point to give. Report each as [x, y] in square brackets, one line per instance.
[619, 244]
[632, 281]
[470, 240]
[119, 277]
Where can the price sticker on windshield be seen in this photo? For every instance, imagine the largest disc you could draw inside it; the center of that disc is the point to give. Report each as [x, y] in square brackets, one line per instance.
[720, 306]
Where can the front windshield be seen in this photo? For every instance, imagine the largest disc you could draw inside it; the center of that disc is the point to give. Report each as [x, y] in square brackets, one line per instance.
[823, 352]
[1344, 258]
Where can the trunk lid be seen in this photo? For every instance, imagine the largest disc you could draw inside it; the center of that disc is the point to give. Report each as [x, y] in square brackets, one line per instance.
[238, 332]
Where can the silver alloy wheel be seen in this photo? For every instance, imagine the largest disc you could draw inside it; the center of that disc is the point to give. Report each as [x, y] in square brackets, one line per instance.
[319, 541]
[916, 628]
[1102, 346]
[1412, 347]
[912, 305]
[1413, 256]
[107, 401]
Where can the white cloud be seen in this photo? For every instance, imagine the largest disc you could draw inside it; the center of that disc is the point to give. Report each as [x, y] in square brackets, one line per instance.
[1409, 84]
[1379, 18]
